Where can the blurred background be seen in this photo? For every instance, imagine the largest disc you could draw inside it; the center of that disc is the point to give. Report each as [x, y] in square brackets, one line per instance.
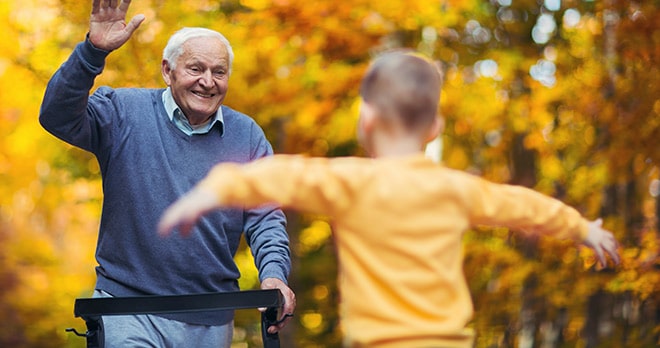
[559, 95]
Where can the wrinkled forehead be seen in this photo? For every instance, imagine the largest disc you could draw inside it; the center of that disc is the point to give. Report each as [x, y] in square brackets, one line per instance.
[206, 48]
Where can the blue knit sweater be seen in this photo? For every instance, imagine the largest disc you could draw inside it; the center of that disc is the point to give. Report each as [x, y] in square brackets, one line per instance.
[146, 163]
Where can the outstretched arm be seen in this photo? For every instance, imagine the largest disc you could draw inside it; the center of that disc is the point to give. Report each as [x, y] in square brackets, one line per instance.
[525, 209]
[108, 29]
[315, 185]
[188, 209]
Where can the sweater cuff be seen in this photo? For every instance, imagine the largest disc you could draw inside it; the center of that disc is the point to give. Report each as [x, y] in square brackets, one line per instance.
[95, 57]
[272, 270]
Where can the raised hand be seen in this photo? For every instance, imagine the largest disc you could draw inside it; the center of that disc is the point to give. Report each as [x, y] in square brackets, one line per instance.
[602, 242]
[108, 29]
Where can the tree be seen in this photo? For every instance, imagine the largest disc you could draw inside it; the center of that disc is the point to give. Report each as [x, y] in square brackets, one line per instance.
[558, 96]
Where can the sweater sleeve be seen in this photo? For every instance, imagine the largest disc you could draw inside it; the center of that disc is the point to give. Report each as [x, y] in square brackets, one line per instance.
[314, 185]
[518, 207]
[65, 110]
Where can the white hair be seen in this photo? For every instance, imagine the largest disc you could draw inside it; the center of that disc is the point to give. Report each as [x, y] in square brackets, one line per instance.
[174, 47]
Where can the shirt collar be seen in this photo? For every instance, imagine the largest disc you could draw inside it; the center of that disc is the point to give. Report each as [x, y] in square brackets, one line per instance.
[175, 115]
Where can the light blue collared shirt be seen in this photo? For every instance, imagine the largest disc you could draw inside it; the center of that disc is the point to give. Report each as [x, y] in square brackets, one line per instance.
[180, 121]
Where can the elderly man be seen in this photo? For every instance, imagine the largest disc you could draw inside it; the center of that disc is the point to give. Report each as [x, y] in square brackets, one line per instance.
[153, 145]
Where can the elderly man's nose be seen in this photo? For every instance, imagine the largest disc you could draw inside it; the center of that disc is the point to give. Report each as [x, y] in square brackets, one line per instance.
[206, 78]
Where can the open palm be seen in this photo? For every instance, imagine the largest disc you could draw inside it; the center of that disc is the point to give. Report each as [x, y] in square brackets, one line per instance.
[108, 29]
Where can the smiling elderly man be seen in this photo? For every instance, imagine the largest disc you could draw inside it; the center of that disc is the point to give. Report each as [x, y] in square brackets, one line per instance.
[152, 145]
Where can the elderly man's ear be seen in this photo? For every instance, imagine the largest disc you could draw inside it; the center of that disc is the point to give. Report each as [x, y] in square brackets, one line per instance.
[165, 70]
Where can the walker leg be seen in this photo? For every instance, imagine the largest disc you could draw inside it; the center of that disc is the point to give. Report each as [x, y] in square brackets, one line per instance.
[268, 318]
[95, 336]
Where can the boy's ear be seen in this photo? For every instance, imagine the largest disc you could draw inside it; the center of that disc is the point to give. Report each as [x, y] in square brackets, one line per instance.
[436, 128]
[368, 117]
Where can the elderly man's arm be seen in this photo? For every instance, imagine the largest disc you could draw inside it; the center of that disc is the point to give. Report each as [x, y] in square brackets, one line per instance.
[265, 232]
[65, 110]
[269, 243]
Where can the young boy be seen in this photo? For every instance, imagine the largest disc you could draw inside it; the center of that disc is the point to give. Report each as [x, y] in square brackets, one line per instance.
[398, 217]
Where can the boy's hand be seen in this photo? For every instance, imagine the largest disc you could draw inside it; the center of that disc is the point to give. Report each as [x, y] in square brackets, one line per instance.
[602, 241]
[185, 212]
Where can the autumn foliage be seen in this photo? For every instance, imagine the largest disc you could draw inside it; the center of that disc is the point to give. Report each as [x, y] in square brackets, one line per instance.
[561, 96]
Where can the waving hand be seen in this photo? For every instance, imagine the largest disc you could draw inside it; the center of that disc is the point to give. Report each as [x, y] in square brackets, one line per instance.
[108, 29]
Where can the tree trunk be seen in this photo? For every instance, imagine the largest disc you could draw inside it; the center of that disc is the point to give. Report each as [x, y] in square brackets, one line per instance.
[657, 215]
[523, 168]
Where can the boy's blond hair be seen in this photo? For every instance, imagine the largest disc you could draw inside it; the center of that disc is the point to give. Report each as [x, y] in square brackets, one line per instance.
[404, 87]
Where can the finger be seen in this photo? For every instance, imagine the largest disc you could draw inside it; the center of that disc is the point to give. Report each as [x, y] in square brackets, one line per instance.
[168, 220]
[612, 249]
[601, 256]
[280, 324]
[96, 4]
[164, 230]
[287, 312]
[112, 3]
[289, 304]
[616, 242]
[276, 328]
[165, 227]
[614, 254]
[615, 257]
[134, 23]
[123, 6]
[186, 227]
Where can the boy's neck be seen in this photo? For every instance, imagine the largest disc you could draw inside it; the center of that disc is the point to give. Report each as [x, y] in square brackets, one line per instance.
[398, 147]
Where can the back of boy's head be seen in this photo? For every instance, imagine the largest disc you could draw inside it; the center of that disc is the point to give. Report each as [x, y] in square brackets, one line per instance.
[404, 88]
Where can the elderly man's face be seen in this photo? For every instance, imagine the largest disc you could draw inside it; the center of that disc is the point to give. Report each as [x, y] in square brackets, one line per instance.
[200, 80]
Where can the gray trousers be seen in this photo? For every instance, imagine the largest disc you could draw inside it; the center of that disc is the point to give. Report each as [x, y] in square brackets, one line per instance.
[153, 331]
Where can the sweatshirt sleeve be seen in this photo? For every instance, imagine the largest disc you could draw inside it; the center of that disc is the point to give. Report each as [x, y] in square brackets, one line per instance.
[518, 207]
[265, 227]
[65, 110]
[314, 185]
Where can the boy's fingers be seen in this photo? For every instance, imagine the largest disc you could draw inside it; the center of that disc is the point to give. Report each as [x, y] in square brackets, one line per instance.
[601, 256]
[611, 247]
[615, 257]
[172, 218]
[186, 228]
[167, 221]
[614, 254]
[164, 227]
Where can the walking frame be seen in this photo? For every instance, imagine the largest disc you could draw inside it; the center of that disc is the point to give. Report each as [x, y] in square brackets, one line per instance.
[92, 309]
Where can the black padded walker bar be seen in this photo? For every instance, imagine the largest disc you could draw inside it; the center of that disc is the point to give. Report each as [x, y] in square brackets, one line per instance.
[91, 309]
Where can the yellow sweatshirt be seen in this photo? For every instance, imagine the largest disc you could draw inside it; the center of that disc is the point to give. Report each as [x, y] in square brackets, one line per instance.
[398, 224]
